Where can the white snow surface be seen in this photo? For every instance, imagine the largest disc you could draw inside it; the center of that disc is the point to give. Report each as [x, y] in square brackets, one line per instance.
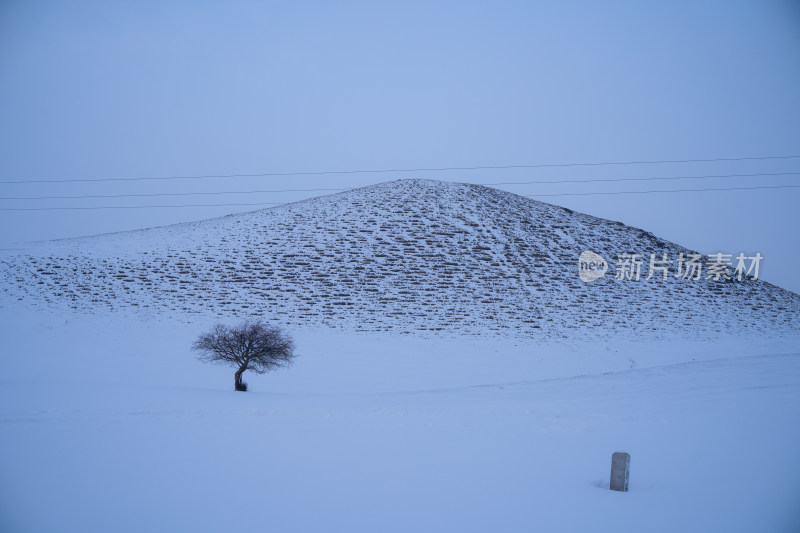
[109, 423]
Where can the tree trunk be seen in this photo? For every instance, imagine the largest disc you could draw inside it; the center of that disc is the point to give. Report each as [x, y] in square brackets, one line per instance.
[238, 384]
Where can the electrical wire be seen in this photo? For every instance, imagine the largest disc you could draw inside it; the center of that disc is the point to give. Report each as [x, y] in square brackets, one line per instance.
[284, 203]
[667, 191]
[383, 171]
[213, 193]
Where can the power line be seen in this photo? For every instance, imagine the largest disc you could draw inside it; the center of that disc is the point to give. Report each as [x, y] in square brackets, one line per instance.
[214, 193]
[441, 169]
[151, 195]
[668, 191]
[132, 206]
[285, 203]
[641, 179]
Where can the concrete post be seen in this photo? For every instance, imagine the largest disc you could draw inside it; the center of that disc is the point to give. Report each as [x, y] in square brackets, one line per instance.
[620, 471]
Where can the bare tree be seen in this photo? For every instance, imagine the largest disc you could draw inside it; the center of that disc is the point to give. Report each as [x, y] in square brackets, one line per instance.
[252, 345]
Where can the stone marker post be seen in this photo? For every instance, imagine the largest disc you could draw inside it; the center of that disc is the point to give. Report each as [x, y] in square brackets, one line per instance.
[620, 471]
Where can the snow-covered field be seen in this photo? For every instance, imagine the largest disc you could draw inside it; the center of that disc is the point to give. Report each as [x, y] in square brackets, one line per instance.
[108, 423]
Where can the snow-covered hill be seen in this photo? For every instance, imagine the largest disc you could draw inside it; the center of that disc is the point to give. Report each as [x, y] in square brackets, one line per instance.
[401, 256]
[109, 423]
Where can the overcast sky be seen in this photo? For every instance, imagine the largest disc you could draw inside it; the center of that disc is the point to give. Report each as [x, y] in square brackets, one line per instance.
[99, 90]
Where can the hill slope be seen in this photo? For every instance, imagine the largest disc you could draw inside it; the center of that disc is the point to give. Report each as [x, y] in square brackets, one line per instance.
[406, 255]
